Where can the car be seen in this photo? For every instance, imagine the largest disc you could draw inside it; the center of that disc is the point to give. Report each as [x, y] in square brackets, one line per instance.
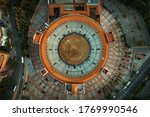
[56, 83]
[128, 83]
[22, 59]
[14, 88]
[114, 96]
[125, 87]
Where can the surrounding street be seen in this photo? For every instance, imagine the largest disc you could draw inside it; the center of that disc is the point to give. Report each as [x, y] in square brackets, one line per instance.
[137, 79]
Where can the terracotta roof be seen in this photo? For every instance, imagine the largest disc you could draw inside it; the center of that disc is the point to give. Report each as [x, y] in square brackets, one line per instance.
[110, 37]
[4, 57]
[37, 37]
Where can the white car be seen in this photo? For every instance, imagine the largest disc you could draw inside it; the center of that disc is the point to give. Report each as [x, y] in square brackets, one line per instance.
[14, 88]
[22, 59]
[125, 87]
[114, 96]
[128, 83]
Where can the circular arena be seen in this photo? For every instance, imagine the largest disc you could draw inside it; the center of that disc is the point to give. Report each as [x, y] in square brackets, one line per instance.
[81, 50]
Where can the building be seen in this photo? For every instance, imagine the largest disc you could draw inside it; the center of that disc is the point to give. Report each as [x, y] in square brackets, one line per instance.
[79, 50]
[4, 57]
[4, 50]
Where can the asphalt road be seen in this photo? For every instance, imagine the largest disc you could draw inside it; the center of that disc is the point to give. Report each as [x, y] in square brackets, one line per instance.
[16, 78]
[136, 80]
